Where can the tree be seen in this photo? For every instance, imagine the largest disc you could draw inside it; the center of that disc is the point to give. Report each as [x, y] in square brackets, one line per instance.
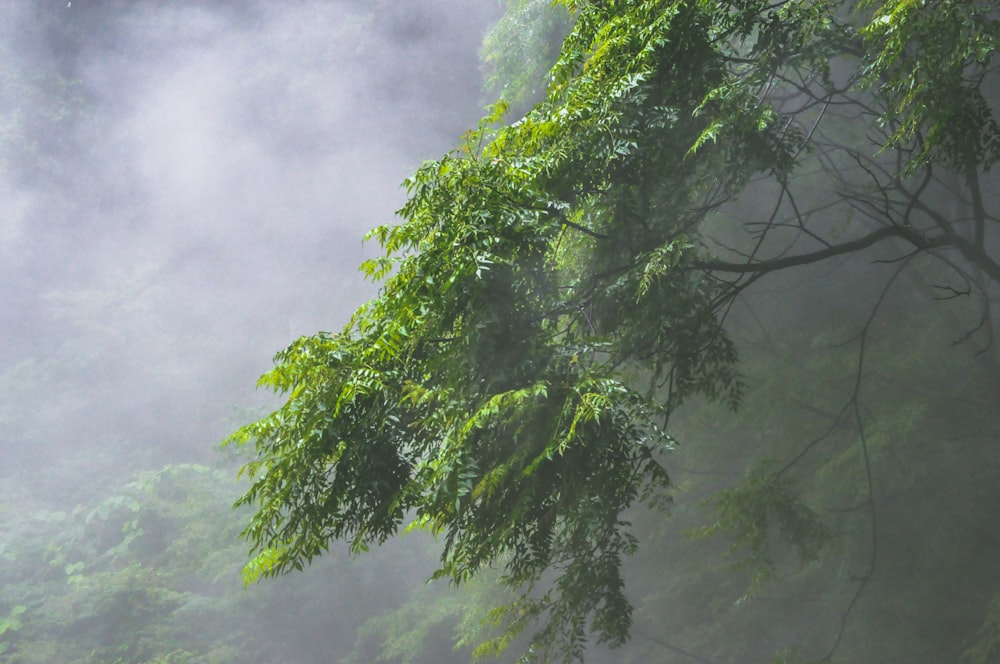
[559, 287]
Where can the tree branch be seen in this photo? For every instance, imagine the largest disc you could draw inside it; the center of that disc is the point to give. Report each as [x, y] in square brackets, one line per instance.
[764, 266]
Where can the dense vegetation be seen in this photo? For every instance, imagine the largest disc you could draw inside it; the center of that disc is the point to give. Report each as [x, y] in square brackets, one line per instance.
[567, 285]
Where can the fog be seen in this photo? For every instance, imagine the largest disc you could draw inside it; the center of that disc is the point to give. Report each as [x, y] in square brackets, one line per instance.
[184, 191]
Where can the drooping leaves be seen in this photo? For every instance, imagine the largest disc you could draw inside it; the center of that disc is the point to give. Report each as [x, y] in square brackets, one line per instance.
[553, 294]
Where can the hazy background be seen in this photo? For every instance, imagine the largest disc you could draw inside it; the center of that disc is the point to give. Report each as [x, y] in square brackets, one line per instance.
[184, 187]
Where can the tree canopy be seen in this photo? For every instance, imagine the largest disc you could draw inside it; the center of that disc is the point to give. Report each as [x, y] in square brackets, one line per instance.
[559, 286]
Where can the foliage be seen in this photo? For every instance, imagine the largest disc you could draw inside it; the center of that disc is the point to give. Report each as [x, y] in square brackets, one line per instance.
[929, 447]
[560, 286]
[519, 50]
[150, 573]
[765, 504]
[432, 621]
[935, 91]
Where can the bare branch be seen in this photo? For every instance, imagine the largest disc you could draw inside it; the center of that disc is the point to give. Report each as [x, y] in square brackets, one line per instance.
[764, 266]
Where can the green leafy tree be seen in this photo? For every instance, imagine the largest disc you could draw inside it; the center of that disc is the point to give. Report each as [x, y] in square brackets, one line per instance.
[560, 286]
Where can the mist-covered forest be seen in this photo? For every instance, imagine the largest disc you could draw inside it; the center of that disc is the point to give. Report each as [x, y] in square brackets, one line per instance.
[671, 339]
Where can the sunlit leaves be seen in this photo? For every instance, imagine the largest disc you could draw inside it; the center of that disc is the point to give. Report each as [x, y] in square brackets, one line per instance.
[930, 59]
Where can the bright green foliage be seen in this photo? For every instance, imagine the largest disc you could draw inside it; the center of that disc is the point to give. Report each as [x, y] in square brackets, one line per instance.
[932, 62]
[558, 287]
[488, 390]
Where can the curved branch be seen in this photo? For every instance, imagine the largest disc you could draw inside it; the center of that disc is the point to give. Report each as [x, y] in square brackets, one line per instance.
[922, 243]
[583, 229]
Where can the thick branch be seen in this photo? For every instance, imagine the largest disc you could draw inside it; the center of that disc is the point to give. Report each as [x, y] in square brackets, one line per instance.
[918, 240]
[583, 229]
